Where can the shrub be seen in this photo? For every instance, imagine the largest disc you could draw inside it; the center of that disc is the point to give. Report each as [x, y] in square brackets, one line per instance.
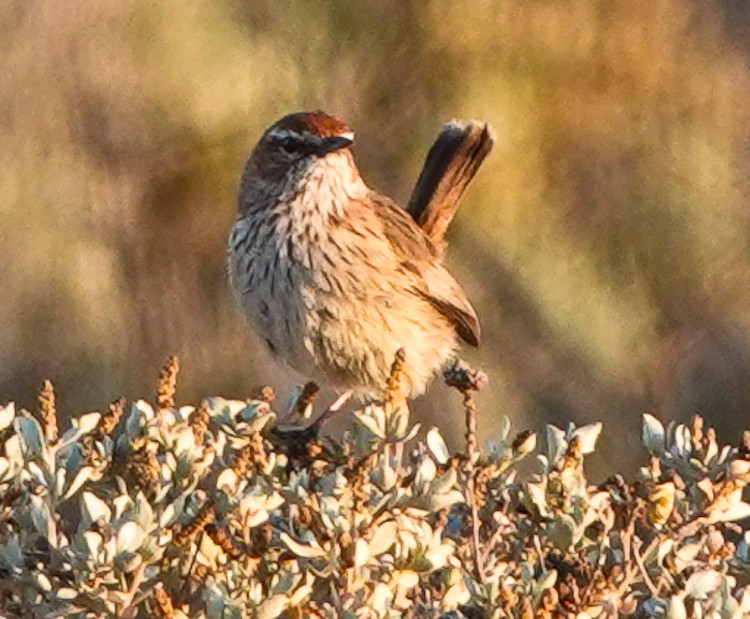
[225, 510]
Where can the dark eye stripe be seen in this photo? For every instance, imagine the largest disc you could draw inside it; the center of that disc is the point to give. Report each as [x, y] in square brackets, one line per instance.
[290, 145]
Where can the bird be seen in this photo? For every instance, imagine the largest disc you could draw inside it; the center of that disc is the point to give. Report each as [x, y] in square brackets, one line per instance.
[337, 278]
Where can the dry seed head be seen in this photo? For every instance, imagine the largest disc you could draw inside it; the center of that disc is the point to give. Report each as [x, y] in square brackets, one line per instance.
[163, 607]
[223, 540]
[144, 470]
[258, 454]
[394, 391]
[199, 421]
[166, 387]
[267, 394]
[205, 517]
[112, 417]
[48, 412]
[241, 461]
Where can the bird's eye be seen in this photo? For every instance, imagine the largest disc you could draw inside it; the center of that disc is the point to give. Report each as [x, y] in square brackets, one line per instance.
[290, 145]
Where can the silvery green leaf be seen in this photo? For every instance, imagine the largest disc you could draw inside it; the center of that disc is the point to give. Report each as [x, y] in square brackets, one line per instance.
[253, 410]
[446, 499]
[556, 444]
[261, 501]
[700, 584]
[653, 434]
[60, 479]
[81, 478]
[526, 446]
[301, 594]
[406, 579]
[685, 556]
[398, 424]
[361, 553]
[272, 607]
[93, 508]
[561, 531]
[445, 482]
[169, 464]
[676, 607]
[5, 472]
[455, 596]
[546, 581]
[381, 599]
[438, 556]
[383, 538]
[681, 445]
[7, 415]
[712, 451]
[140, 414]
[736, 511]
[121, 504]
[40, 514]
[542, 464]
[11, 555]
[172, 512]
[373, 419]
[739, 468]
[86, 423]
[258, 423]
[31, 433]
[37, 474]
[745, 599]
[504, 429]
[536, 493]
[411, 433]
[185, 441]
[130, 537]
[226, 410]
[143, 513]
[437, 446]
[14, 451]
[587, 436]
[302, 550]
[385, 477]
[161, 493]
[93, 542]
[426, 472]
[227, 481]
[257, 518]
[42, 582]
[66, 593]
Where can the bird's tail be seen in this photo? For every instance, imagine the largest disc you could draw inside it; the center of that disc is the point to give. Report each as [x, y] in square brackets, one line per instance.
[450, 165]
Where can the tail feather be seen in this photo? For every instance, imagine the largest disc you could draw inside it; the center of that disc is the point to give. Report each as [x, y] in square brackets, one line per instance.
[451, 164]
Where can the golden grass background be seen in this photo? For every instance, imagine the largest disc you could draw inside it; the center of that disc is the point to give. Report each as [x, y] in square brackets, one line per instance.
[605, 242]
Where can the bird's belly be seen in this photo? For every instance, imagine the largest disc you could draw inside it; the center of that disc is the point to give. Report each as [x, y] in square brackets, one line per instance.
[342, 326]
[272, 298]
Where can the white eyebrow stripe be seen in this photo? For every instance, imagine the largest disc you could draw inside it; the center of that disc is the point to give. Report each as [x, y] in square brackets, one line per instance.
[281, 134]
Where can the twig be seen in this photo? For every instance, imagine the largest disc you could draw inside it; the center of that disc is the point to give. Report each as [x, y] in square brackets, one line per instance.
[468, 381]
[642, 568]
[475, 524]
[128, 610]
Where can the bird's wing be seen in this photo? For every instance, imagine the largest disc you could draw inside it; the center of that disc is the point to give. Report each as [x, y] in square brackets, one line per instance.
[418, 255]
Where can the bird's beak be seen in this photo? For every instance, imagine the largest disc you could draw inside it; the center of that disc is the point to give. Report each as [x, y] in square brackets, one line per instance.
[329, 145]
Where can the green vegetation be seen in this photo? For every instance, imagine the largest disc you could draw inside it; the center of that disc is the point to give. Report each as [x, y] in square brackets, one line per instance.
[230, 510]
[604, 243]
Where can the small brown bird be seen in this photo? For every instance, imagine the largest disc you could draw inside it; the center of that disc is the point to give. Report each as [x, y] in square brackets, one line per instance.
[335, 277]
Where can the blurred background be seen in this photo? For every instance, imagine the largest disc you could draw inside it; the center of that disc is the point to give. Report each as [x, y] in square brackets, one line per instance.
[605, 243]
